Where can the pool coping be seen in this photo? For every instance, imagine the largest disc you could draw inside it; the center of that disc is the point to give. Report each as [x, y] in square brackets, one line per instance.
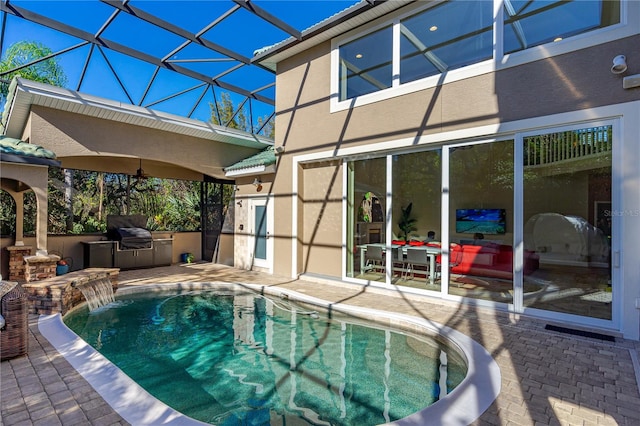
[462, 406]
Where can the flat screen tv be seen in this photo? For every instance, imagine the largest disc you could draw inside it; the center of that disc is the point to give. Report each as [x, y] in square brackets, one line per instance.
[485, 221]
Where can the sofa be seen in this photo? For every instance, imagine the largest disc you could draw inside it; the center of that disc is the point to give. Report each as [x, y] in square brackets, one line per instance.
[489, 260]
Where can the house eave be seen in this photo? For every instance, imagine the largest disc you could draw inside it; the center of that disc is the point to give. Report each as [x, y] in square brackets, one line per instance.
[251, 171]
[350, 18]
[28, 94]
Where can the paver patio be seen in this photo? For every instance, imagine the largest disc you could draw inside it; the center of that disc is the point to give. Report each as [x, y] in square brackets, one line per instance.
[548, 377]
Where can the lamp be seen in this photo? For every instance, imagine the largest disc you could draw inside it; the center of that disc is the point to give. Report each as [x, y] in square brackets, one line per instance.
[257, 182]
[279, 149]
[619, 64]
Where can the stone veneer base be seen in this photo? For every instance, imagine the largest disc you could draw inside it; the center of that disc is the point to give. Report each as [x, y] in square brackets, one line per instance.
[59, 294]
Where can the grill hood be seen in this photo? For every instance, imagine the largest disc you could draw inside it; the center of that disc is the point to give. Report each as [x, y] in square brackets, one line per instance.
[129, 231]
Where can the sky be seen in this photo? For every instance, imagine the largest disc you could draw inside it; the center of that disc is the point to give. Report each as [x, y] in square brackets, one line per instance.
[241, 32]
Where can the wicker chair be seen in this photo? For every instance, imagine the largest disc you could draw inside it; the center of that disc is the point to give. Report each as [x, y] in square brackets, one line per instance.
[14, 337]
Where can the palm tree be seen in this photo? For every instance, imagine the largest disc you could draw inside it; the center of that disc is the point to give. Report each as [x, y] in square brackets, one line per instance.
[30, 60]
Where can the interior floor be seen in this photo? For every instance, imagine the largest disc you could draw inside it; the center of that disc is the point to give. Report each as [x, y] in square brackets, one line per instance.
[584, 291]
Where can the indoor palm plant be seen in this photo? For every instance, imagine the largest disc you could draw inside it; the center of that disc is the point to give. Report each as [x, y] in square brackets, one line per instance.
[406, 223]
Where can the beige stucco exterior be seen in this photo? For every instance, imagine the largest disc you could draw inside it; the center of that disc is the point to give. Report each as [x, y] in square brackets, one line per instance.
[90, 143]
[16, 178]
[569, 82]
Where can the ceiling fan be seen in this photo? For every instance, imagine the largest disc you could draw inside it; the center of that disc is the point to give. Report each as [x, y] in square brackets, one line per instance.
[140, 174]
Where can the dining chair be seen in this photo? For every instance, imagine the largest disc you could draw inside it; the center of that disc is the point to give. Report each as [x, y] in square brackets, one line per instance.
[397, 257]
[374, 257]
[417, 257]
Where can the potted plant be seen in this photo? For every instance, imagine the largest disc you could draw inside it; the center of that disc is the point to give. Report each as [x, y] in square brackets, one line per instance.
[62, 267]
[187, 257]
[406, 223]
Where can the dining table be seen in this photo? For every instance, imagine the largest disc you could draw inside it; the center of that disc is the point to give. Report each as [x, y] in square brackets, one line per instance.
[432, 254]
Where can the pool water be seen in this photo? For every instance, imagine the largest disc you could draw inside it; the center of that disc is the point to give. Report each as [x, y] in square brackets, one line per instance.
[232, 359]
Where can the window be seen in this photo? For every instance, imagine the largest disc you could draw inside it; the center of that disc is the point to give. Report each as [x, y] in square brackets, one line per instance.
[365, 64]
[531, 23]
[446, 37]
[455, 34]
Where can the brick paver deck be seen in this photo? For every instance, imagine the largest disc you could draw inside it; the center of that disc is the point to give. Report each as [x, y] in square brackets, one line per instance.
[548, 378]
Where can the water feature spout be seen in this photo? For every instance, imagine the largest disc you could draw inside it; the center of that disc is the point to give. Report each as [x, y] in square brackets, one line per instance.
[98, 292]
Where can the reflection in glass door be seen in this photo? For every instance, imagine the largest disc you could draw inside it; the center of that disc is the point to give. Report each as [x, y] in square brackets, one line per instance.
[567, 221]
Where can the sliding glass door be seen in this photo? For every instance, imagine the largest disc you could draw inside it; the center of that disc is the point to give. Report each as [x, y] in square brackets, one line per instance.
[524, 221]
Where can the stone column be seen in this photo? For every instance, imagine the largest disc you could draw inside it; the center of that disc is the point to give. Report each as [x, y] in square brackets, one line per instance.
[17, 267]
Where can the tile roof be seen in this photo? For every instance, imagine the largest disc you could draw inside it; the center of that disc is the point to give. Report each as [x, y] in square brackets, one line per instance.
[18, 151]
[265, 158]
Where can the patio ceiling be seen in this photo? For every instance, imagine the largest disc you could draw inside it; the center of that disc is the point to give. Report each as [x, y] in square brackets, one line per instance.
[175, 57]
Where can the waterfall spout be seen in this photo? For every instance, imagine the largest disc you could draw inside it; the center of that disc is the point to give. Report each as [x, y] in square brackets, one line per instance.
[98, 292]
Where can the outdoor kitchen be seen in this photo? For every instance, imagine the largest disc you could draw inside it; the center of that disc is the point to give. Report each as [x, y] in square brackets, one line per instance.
[128, 245]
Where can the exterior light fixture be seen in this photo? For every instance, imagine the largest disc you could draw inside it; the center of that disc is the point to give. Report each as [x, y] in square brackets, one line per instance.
[619, 64]
[433, 28]
[257, 182]
[359, 56]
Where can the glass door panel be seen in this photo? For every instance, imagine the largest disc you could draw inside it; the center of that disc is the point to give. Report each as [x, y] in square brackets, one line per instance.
[417, 201]
[262, 230]
[366, 217]
[567, 221]
[481, 221]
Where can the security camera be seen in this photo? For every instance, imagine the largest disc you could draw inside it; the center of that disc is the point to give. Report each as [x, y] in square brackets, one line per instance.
[619, 64]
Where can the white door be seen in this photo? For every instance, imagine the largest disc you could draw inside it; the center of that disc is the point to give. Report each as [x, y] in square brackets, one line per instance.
[262, 232]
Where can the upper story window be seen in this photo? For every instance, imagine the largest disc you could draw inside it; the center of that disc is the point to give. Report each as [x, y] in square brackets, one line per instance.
[531, 23]
[445, 37]
[451, 35]
[365, 64]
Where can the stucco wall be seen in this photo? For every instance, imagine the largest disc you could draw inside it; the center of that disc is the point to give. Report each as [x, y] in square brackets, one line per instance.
[90, 143]
[70, 246]
[569, 82]
[320, 219]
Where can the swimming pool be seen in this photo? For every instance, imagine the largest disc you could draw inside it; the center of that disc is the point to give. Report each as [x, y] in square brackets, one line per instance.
[242, 358]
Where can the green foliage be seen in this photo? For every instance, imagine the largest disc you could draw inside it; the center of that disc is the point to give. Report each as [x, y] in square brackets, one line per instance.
[181, 207]
[7, 214]
[406, 223]
[225, 113]
[25, 52]
[170, 205]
